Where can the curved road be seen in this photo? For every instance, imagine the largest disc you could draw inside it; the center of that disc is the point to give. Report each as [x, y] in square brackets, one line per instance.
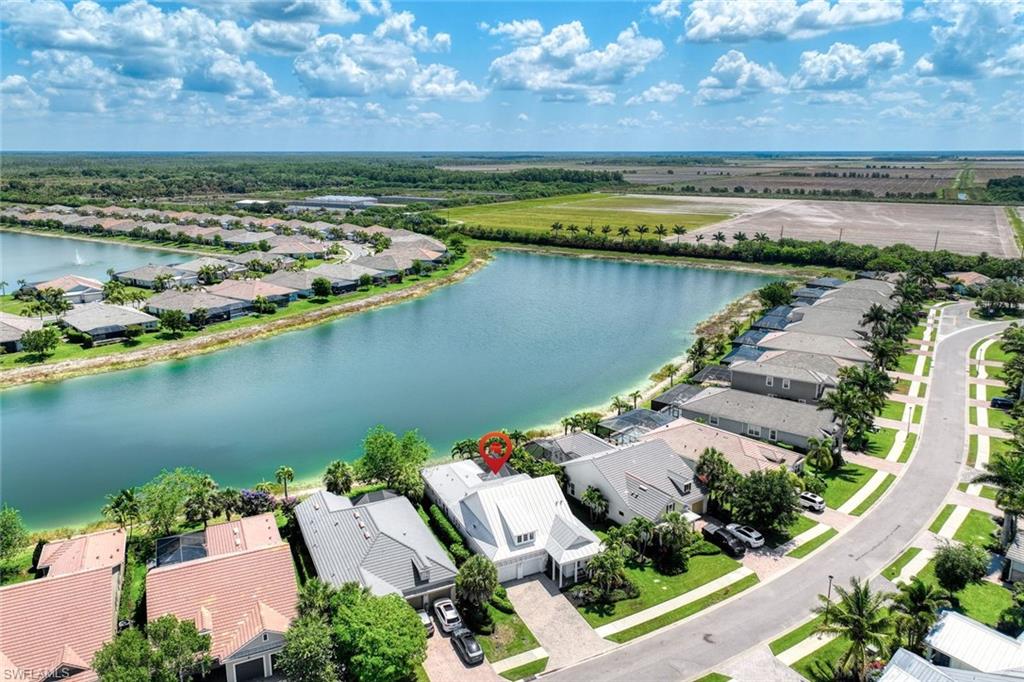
[700, 644]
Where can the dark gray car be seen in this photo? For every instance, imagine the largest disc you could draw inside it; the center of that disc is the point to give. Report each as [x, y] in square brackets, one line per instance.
[467, 647]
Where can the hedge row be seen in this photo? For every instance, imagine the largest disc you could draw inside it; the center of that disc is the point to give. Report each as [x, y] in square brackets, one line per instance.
[447, 534]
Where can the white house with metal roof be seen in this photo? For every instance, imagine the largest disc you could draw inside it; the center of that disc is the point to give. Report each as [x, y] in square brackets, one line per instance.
[906, 666]
[382, 545]
[962, 643]
[522, 524]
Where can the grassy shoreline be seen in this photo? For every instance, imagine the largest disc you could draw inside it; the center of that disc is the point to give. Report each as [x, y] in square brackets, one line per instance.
[200, 249]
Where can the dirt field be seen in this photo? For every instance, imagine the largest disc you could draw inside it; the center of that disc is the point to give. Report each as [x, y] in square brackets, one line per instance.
[960, 229]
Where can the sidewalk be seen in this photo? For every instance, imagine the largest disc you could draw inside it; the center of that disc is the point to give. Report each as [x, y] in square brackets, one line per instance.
[519, 659]
[865, 491]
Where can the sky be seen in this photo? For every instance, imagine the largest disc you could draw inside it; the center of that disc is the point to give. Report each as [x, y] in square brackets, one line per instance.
[374, 75]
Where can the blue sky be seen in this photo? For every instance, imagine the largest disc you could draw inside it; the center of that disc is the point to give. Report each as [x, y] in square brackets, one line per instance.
[356, 75]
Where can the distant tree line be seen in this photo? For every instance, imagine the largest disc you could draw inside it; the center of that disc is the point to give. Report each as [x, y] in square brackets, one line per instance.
[1006, 189]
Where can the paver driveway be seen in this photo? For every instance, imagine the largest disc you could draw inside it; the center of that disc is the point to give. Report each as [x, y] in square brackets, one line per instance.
[555, 623]
[444, 665]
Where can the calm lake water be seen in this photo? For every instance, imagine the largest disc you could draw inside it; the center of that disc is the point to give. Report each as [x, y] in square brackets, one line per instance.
[521, 343]
[37, 259]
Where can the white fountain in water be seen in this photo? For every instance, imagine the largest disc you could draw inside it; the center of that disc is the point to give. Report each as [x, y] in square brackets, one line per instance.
[78, 258]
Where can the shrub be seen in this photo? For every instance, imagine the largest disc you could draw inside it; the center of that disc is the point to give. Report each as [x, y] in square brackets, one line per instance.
[255, 502]
[446, 532]
[501, 601]
[956, 566]
[459, 553]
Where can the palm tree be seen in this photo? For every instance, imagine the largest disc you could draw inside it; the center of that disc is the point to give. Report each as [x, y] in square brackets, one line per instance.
[871, 382]
[642, 230]
[339, 477]
[885, 353]
[202, 503]
[821, 453]
[556, 228]
[606, 230]
[123, 509]
[917, 605]
[476, 581]
[639, 532]
[284, 475]
[317, 599]
[593, 500]
[3, 287]
[761, 237]
[635, 395]
[874, 317]
[671, 369]
[589, 229]
[228, 502]
[623, 232]
[660, 230]
[740, 236]
[607, 569]
[1005, 471]
[846, 404]
[618, 404]
[464, 449]
[860, 616]
[678, 230]
[517, 437]
[698, 353]
[718, 237]
[573, 229]
[699, 237]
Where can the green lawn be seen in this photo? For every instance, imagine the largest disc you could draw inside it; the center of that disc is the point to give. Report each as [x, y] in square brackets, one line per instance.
[987, 491]
[813, 544]
[907, 363]
[510, 636]
[9, 304]
[902, 386]
[908, 448]
[527, 670]
[972, 449]
[917, 332]
[18, 568]
[984, 601]
[880, 442]
[998, 446]
[940, 520]
[1000, 419]
[802, 524]
[69, 351]
[844, 482]
[656, 587]
[995, 353]
[584, 210]
[713, 677]
[875, 494]
[895, 568]
[972, 415]
[893, 410]
[684, 611]
[133, 588]
[796, 635]
[977, 528]
[818, 666]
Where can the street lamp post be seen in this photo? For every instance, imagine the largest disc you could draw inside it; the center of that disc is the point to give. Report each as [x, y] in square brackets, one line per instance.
[828, 600]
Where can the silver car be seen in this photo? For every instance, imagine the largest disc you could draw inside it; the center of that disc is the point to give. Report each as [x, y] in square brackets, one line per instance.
[746, 534]
[428, 624]
[447, 615]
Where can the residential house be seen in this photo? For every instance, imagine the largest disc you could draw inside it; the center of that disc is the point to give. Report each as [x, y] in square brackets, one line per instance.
[836, 346]
[295, 247]
[759, 416]
[76, 289]
[669, 401]
[963, 282]
[795, 375]
[961, 643]
[105, 322]
[390, 265]
[259, 259]
[828, 321]
[54, 625]
[775, 319]
[560, 449]
[116, 225]
[809, 294]
[345, 274]
[628, 426]
[249, 290]
[522, 524]
[906, 666]
[302, 281]
[147, 276]
[1013, 565]
[645, 479]
[240, 238]
[381, 544]
[825, 282]
[226, 267]
[13, 327]
[689, 439]
[238, 586]
[217, 308]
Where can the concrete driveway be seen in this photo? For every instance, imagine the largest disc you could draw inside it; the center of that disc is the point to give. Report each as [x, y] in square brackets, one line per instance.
[444, 665]
[555, 623]
[702, 643]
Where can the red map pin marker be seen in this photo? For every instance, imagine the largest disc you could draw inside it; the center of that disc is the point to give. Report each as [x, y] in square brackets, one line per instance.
[495, 448]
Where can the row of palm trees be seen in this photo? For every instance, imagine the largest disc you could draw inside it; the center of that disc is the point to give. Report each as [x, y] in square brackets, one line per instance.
[877, 623]
[641, 230]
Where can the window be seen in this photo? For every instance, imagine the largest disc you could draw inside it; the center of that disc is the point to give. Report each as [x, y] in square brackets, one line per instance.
[572, 489]
[687, 487]
[785, 384]
[772, 435]
[769, 381]
[525, 537]
[713, 420]
[754, 431]
[671, 506]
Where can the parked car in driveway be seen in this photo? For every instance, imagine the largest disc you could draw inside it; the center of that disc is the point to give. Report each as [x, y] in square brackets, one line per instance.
[467, 647]
[747, 535]
[1002, 403]
[716, 534]
[813, 502]
[447, 615]
[427, 622]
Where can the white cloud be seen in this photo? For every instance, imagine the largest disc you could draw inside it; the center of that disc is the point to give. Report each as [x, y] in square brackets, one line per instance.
[900, 112]
[561, 66]
[18, 95]
[970, 38]
[666, 10]
[316, 11]
[400, 27]
[629, 122]
[959, 91]
[523, 117]
[734, 77]
[742, 20]
[757, 121]
[518, 31]
[844, 65]
[662, 93]
[280, 37]
[437, 81]
[228, 75]
[835, 97]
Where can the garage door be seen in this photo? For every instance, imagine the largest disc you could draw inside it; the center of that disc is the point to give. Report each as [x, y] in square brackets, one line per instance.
[533, 565]
[250, 670]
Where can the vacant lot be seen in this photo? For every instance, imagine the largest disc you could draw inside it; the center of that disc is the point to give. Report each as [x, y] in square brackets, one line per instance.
[960, 229]
[597, 210]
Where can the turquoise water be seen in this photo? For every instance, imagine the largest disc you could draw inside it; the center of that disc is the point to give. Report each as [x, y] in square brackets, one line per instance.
[521, 343]
[37, 259]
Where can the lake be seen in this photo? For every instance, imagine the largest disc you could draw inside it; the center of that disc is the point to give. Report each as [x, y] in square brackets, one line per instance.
[521, 343]
[36, 258]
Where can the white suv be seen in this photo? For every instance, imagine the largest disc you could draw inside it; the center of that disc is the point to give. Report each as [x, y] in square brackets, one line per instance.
[746, 534]
[447, 615]
[813, 502]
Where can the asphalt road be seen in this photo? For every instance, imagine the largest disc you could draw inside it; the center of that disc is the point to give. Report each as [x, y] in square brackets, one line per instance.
[700, 644]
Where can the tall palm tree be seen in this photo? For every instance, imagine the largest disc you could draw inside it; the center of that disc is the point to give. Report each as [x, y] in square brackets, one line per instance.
[740, 236]
[593, 500]
[917, 605]
[846, 404]
[606, 230]
[284, 476]
[124, 509]
[339, 477]
[699, 353]
[572, 229]
[589, 229]
[859, 615]
[1005, 472]
[871, 382]
[464, 449]
[566, 424]
[875, 317]
[623, 232]
[618, 404]
[678, 230]
[699, 237]
[821, 453]
[718, 237]
[885, 352]
[761, 237]
[635, 395]
[517, 437]
[3, 287]
[660, 230]
[639, 532]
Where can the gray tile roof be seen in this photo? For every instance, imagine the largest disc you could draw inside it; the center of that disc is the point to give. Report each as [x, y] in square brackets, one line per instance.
[836, 346]
[762, 369]
[680, 393]
[104, 318]
[760, 410]
[196, 264]
[812, 362]
[570, 446]
[826, 282]
[346, 272]
[190, 301]
[149, 272]
[386, 262]
[828, 321]
[383, 544]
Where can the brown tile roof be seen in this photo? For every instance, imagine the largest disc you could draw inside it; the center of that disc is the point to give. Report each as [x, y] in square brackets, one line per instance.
[104, 549]
[252, 532]
[56, 622]
[234, 597]
[69, 282]
[690, 439]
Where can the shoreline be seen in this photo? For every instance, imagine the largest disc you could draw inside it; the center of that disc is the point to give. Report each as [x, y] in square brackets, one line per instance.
[220, 340]
[132, 243]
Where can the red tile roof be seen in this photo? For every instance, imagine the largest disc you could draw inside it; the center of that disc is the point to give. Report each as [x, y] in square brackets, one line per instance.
[56, 622]
[234, 597]
[252, 532]
[104, 549]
